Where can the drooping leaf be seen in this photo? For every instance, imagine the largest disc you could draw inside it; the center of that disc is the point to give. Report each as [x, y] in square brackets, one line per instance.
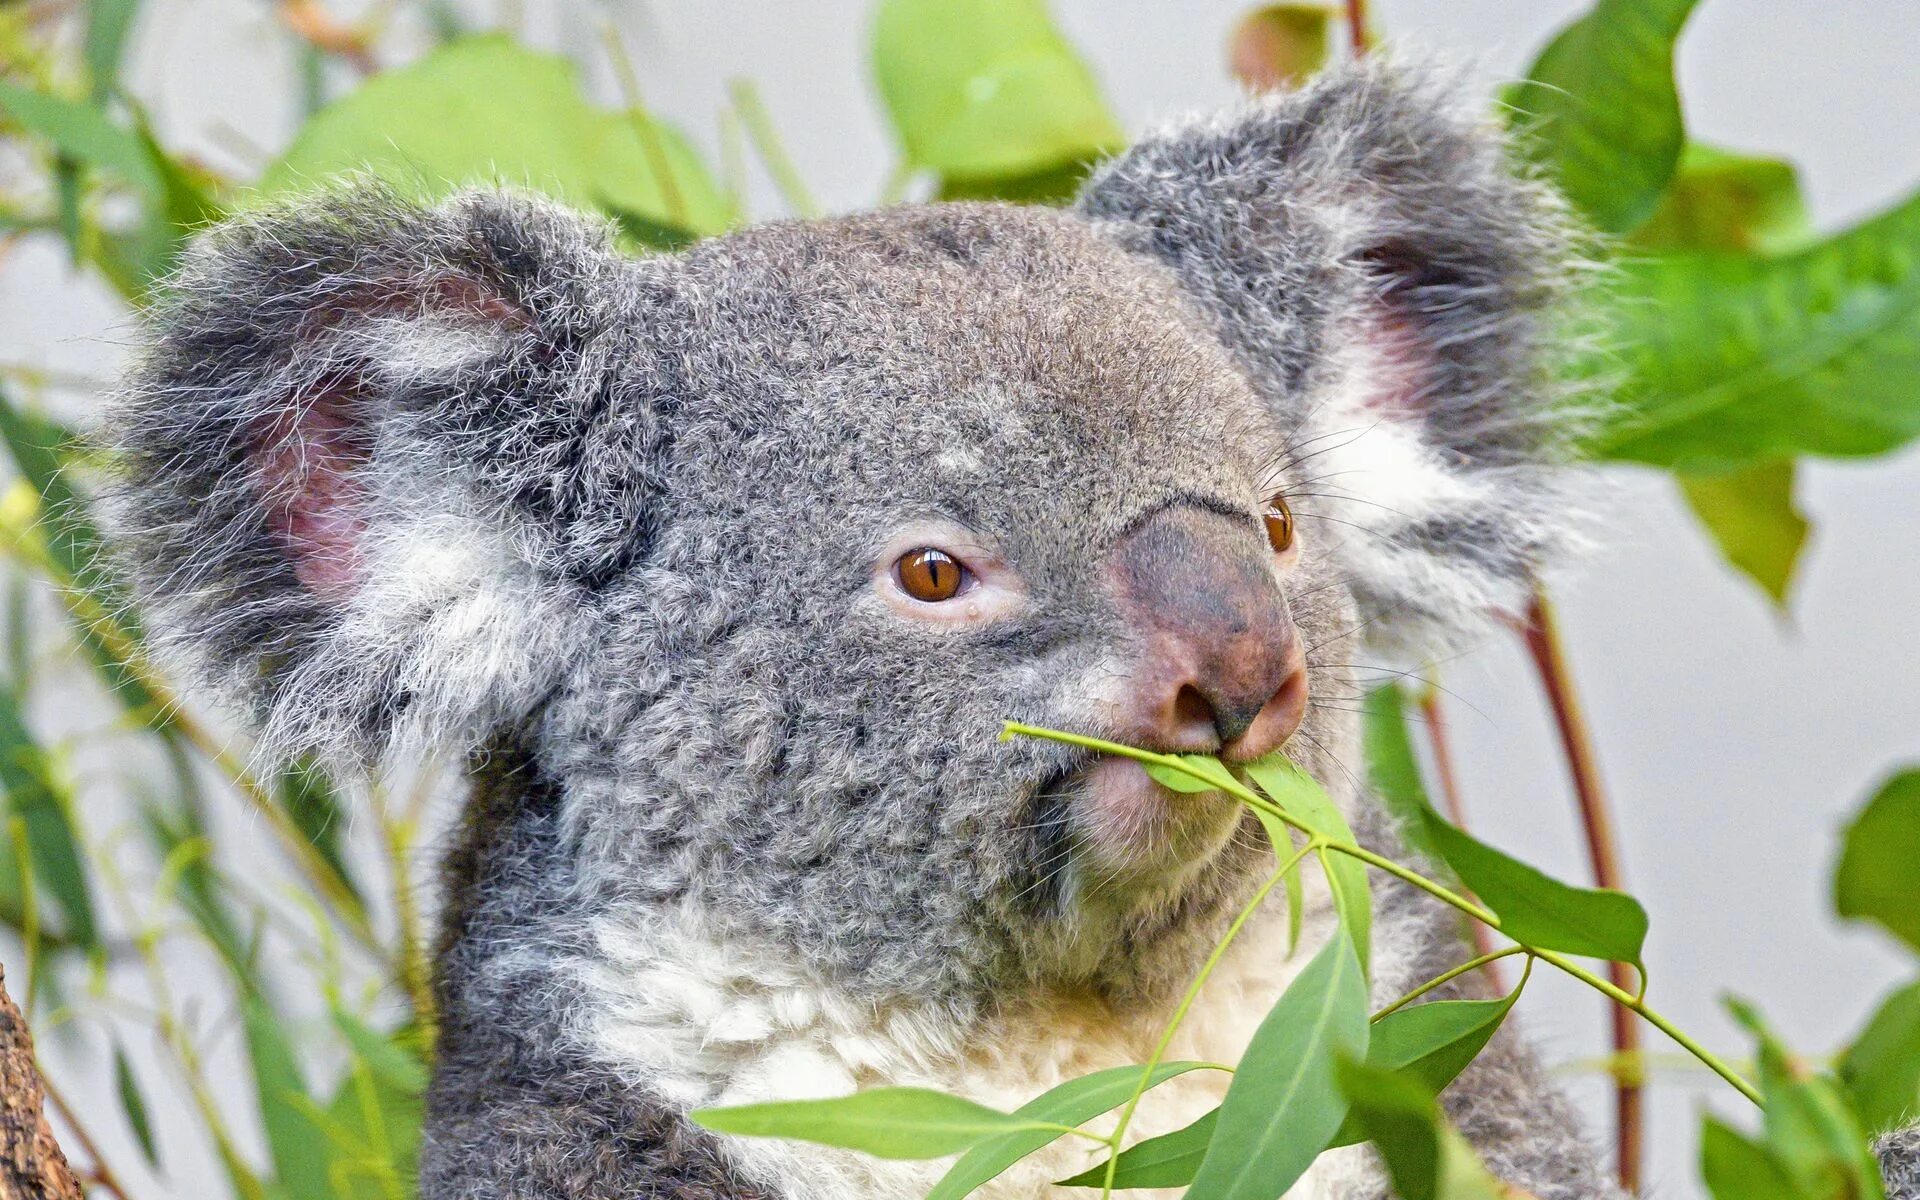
[1735, 1167]
[1719, 200]
[1430, 1044]
[1394, 769]
[82, 132]
[108, 22]
[45, 808]
[1752, 518]
[887, 1122]
[133, 1106]
[180, 839]
[296, 1143]
[1402, 1121]
[1724, 361]
[1875, 878]
[1072, 1103]
[487, 110]
[1302, 797]
[1284, 1102]
[391, 1057]
[1808, 1126]
[1280, 46]
[310, 799]
[985, 90]
[1604, 109]
[1881, 1069]
[373, 1124]
[1167, 1161]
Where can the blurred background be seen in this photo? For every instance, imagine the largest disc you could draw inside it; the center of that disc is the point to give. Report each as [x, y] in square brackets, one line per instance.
[1735, 733]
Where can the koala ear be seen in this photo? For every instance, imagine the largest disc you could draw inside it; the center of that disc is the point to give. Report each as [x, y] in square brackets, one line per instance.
[365, 458]
[1390, 285]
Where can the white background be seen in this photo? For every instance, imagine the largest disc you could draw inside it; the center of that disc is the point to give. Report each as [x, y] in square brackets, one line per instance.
[1735, 740]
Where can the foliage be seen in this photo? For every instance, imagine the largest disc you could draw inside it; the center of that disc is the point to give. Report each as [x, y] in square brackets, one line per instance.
[1732, 341]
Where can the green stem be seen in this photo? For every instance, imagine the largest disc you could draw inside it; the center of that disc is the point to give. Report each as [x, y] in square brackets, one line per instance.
[1186, 1004]
[1442, 980]
[759, 130]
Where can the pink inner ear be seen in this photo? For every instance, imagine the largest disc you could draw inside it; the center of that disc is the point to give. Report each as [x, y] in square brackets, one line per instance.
[307, 459]
[1397, 365]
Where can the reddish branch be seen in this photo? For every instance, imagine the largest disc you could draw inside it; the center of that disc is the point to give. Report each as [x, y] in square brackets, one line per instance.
[31, 1164]
[320, 29]
[1542, 634]
[1357, 32]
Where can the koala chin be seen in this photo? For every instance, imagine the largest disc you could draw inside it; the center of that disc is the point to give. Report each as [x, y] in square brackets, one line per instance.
[724, 568]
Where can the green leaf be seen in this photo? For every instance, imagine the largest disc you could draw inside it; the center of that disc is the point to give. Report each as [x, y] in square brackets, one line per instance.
[180, 839]
[888, 1122]
[296, 1143]
[1720, 200]
[1280, 46]
[1303, 799]
[1875, 878]
[82, 132]
[45, 808]
[133, 1106]
[374, 1129]
[987, 89]
[1167, 1161]
[1072, 1103]
[314, 806]
[1602, 102]
[1284, 1103]
[1808, 1126]
[108, 22]
[391, 1058]
[1394, 769]
[487, 110]
[1881, 1069]
[1539, 910]
[1173, 778]
[1752, 518]
[1401, 1119]
[1430, 1044]
[1737, 1168]
[1724, 361]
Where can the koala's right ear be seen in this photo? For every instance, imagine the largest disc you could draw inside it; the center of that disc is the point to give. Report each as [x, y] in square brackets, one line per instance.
[374, 457]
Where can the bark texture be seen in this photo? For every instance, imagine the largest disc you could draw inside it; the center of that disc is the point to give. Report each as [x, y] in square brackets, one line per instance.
[31, 1164]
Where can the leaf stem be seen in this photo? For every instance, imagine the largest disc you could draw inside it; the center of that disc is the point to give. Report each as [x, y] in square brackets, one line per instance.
[1442, 980]
[1358, 31]
[759, 130]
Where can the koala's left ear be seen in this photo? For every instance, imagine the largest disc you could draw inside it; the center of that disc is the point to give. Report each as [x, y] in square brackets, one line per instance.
[1391, 285]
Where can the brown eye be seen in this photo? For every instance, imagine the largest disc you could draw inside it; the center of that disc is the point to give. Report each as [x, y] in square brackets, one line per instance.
[930, 575]
[1279, 519]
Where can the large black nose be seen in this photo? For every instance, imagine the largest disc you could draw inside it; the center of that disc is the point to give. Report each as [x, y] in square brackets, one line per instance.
[1220, 667]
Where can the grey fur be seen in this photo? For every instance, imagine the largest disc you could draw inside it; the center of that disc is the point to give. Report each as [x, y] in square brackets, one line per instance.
[668, 480]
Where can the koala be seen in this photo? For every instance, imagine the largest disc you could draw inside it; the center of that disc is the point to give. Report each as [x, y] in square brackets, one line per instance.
[723, 569]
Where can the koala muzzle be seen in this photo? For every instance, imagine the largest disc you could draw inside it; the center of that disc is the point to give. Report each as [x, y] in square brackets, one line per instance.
[1219, 667]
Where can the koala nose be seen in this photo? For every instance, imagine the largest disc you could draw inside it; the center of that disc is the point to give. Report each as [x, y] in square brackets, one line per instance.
[1220, 668]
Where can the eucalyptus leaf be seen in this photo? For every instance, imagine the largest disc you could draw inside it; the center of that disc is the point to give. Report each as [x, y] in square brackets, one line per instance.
[44, 805]
[887, 1122]
[1280, 46]
[1721, 361]
[390, 1057]
[1284, 1102]
[108, 22]
[987, 89]
[297, 1145]
[1604, 111]
[1751, 515]
[1881, 1069]
[1721, 200]
[1301, 797]
[1874, 880]
[1808, 1126]
[1430, 1044]
[1735, 1167]
[1072, 1103]
[1216, 776]
[81, 131]
[1167, 1161]
[133, 1106]
[1394, 769]
[1402, 1121]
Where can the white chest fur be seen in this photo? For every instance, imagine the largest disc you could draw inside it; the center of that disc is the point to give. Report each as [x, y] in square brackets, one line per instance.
[698, 1023]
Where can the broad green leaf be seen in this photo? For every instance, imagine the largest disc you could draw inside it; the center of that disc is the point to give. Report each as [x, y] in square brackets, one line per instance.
[1072, 1103]
[1807, 1123]
[1724, 361]
[1602, 103]
[1394, 769]
[1737, 1168]
[1180, 781]
[374, 1129]
[1430, 1044]
[1169, 1160]
[1881, 1069]
[133, 1106]
[296, 1143]
[1402, 1121]
[987, 89]
[1303, 799]
[487, 110]
[45, 808]
[1280, 46]
[82, 132]
[1720, 200]
[1280, 837]
[1539, 910]
[1752, 518]
[1284, 1102]
[888, 1122]
[391, 1059]
[1875, 879]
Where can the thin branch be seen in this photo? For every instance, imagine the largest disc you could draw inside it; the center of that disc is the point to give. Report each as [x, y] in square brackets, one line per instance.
[759, 131]
[1358, 31]
[314, 25]
[1541, 632]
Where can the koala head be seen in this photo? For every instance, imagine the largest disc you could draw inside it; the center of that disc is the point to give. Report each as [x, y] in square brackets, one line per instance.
[756, 546]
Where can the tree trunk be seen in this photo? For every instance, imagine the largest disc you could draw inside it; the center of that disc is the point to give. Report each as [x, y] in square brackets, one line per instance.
[31, 1164]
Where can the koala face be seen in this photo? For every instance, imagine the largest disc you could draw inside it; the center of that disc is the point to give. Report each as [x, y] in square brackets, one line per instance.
[757, 546]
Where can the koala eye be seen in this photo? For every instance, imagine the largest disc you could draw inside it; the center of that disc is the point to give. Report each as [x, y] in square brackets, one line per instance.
[931, 575]
[1279, 519]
